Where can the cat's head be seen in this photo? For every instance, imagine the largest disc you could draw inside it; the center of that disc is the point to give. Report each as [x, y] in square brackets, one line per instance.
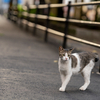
[65, 54]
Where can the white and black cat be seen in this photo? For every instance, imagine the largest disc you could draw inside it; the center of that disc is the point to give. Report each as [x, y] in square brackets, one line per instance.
[70, 64]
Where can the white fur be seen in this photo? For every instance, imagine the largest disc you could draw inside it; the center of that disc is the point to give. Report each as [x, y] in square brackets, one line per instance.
[87, 73]
[65, 57]
[66, 71]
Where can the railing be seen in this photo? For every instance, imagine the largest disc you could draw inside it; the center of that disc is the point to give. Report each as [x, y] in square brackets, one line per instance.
[14, 16]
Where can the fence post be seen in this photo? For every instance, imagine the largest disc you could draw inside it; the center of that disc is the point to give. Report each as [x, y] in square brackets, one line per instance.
[66, 25]
[9, 10]
[15, 9]
[47, 23]
[99, 66]
[21, 17]
[35, 22]
[28, 11]
[11, 14]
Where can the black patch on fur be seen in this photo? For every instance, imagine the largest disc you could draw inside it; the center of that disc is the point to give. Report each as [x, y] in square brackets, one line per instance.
[96, 59]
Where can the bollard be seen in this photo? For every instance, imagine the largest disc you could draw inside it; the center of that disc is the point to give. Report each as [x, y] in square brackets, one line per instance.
[66, 25]
[47, 24]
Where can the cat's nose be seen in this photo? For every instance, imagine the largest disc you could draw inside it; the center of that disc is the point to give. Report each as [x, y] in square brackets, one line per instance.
[66, 58]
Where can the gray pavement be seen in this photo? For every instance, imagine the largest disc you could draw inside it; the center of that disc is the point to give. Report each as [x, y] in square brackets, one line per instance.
[29, 71]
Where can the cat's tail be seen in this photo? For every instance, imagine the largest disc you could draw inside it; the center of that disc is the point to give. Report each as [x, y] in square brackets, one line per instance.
[96, 57]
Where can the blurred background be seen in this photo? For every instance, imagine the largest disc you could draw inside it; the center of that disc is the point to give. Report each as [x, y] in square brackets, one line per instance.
[87, 13]
[84, 12]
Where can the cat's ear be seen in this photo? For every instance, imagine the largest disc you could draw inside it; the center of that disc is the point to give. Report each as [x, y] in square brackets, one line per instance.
[60, 48]
[70, 50]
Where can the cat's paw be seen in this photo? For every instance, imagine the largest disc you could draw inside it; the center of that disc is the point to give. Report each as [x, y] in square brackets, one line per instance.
[61, 89]
[82, 88]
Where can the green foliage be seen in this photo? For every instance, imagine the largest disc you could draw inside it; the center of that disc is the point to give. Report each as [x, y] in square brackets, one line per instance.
[33, 11]
[19, 7]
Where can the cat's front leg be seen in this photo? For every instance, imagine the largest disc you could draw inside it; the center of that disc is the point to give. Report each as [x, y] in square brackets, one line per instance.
[63, 76]
[64, 84]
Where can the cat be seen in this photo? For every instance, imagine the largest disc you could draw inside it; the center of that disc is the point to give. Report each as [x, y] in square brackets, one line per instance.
[72, 63]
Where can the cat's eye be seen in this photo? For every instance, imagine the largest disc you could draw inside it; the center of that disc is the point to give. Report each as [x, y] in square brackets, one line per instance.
[68, 55]
[63, 54]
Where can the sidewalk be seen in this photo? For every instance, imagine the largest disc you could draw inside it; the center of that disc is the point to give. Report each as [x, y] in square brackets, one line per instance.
[29, 71]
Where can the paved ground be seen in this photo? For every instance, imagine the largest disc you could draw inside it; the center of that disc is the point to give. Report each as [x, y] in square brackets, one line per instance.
[28, 69]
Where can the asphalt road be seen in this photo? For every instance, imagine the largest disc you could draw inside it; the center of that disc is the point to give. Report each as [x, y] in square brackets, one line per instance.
[29, 71]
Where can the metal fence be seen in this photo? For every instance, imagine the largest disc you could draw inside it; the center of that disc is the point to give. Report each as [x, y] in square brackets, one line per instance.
[14, 15]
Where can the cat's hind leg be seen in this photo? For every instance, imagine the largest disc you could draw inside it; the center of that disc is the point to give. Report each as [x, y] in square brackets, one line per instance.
[86, 74]
[87, 81]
